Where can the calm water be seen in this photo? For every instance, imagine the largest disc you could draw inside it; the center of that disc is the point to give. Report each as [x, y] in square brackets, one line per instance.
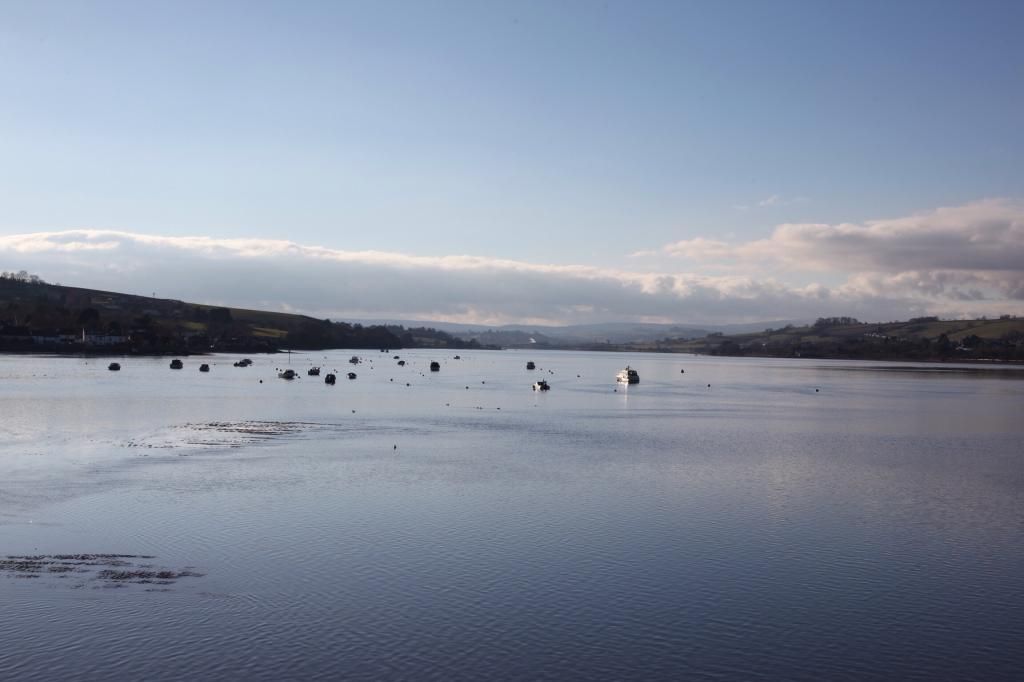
[403, 525]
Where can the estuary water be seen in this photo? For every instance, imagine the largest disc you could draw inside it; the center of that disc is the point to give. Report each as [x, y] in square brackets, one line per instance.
[726, 519]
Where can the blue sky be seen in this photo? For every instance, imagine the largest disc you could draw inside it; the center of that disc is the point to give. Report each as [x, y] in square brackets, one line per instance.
[555, 133]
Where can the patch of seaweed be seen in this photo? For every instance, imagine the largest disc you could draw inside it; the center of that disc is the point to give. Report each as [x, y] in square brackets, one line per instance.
[102, 570]
[225, 434]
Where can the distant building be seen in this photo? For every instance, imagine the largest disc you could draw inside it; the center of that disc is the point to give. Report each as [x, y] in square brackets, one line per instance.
[90, 339]
[105, 339]
[48, 338]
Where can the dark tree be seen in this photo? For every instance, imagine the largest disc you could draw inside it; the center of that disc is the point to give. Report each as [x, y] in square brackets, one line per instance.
[89, 317]
[220, 316]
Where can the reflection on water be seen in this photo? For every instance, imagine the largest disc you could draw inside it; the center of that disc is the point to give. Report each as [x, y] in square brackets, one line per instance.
[793, 520]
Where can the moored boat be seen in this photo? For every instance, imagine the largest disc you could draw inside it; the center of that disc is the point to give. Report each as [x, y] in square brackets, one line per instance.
[435, 367]
[541, 386]
[627, 376]
[313, 371]
[329, 379]
[176, 364]
[114, 367]
[530, 365]
[204, 367]
[287, 374]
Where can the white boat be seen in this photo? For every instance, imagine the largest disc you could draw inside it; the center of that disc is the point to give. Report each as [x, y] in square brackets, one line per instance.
[541, 386]
[627, 376]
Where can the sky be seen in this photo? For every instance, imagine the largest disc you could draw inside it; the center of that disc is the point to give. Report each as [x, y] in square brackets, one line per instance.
[536, 162]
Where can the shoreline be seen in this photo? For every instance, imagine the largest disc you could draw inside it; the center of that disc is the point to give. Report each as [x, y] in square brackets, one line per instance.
[96, 353]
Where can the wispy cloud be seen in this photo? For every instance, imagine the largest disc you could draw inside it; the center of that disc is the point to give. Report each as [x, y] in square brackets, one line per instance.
[772, 201]
[779, 200]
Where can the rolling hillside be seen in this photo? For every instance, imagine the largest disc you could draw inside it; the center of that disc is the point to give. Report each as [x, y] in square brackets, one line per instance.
[35, 315]
[924, 338]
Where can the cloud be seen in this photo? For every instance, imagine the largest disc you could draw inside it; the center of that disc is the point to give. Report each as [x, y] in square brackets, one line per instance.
[278, 274]
[772, 201]
[956, 261]
[779, 200]
[700, 249]
[964, 253]
[983, 235]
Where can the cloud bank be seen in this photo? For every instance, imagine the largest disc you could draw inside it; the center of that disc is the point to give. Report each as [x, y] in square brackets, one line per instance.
[952, 261]
[943, 258]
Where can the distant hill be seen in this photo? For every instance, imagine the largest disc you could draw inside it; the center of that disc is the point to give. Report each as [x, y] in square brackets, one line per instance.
[35, 315]
[582, 335]
[923, 338]
[38, 316]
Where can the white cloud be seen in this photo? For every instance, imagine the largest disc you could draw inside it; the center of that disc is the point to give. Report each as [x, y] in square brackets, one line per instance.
[700, 249]
[954, 261]
[983, 235]
[772, 201]
[963, 253]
